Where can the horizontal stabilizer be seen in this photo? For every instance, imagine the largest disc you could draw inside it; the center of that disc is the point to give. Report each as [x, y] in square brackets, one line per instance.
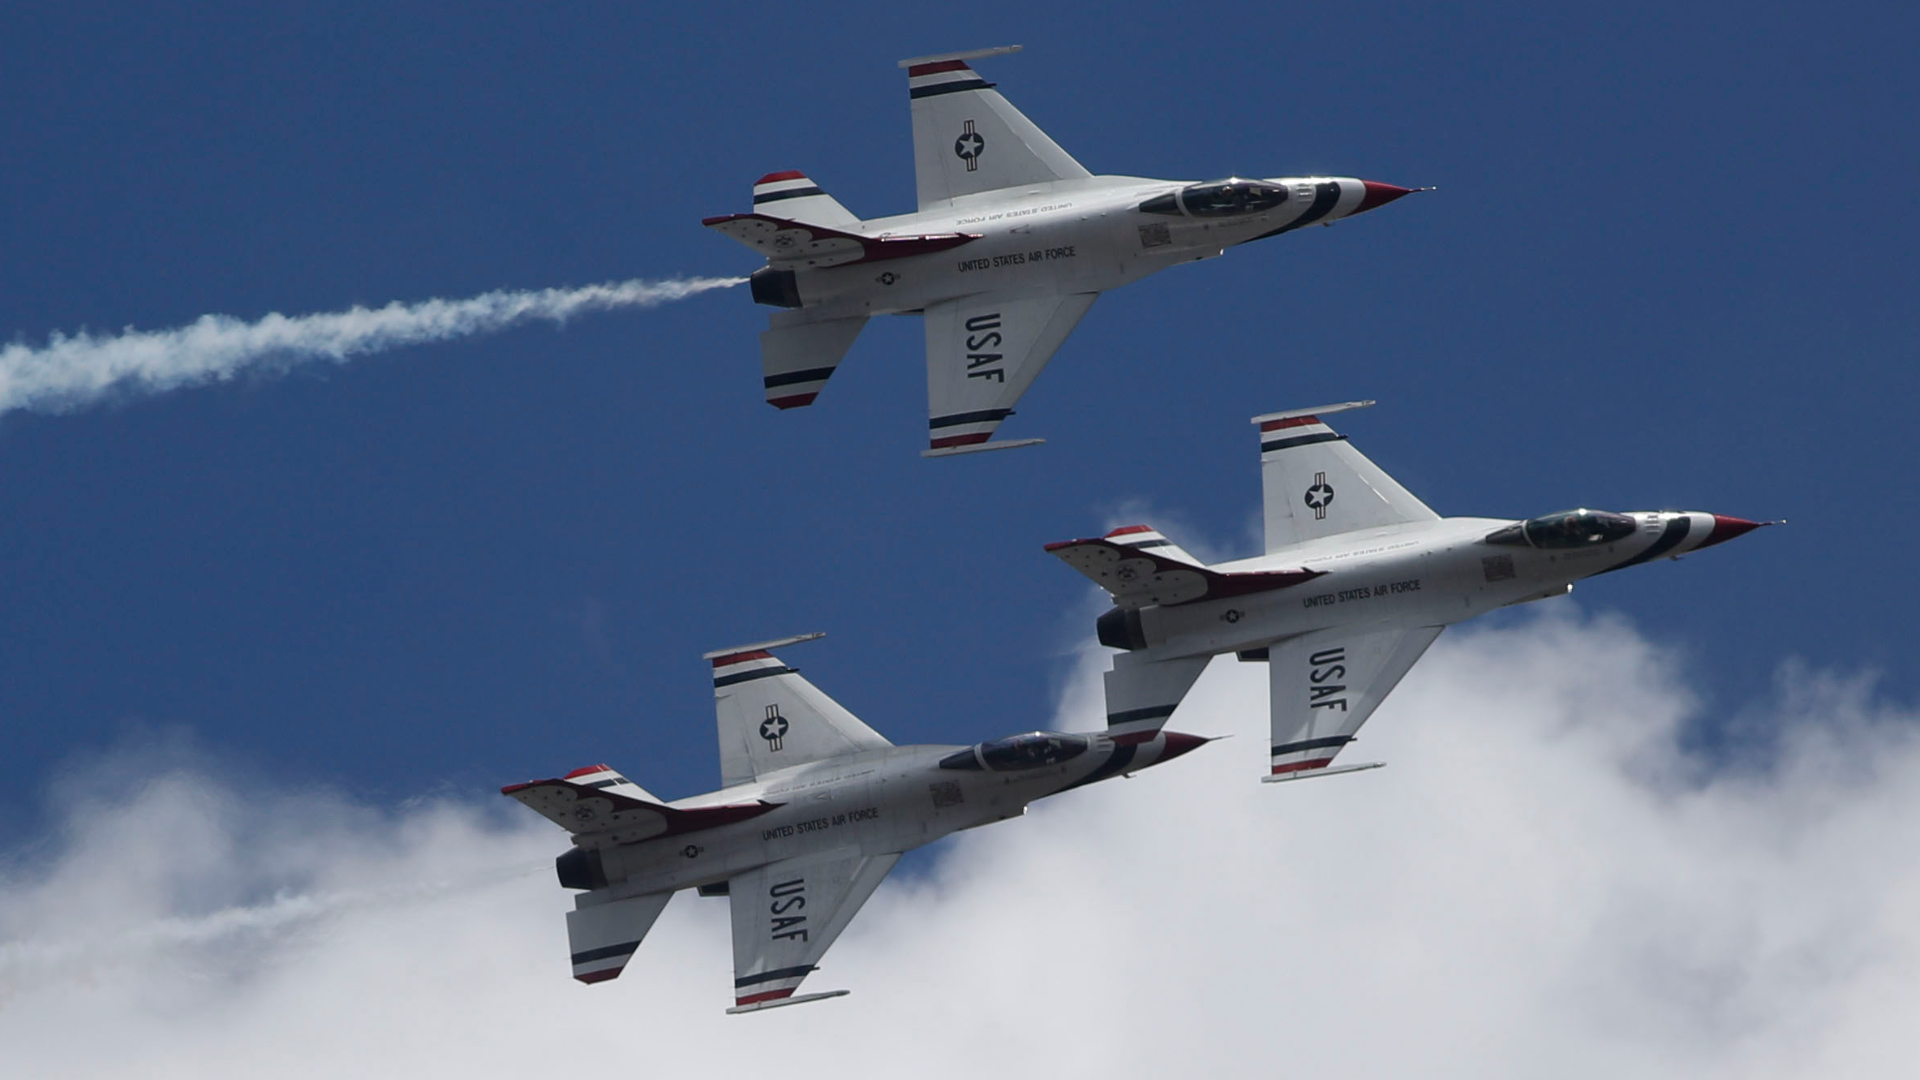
[599, 817]
[794, 244]
[1142, 694]
[803, 998]
[1148, 538]
[798, 198]
[999, 444]
[798, 356]
[1334, 771]
[1138, 578]
[603, 936]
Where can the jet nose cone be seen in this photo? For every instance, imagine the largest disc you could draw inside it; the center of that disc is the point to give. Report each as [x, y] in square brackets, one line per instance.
[1179, 742]
[1379, 194]
[1726, 528]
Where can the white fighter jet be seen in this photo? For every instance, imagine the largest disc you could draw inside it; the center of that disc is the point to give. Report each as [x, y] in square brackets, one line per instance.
[815, 807]
[1012, 242]
[1358, 579]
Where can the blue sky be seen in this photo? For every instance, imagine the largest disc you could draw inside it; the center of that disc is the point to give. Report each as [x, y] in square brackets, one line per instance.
[1669, 265]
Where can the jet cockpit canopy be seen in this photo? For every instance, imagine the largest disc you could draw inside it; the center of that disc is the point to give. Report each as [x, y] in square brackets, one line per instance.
[1034, 750]
[1218, 198]
[1566, 529]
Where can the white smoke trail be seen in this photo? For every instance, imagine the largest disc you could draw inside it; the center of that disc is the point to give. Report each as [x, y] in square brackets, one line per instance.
[73, 371]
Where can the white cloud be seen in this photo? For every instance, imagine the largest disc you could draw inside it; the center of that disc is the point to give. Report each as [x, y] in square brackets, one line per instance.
[77, 370]
[1541, 883]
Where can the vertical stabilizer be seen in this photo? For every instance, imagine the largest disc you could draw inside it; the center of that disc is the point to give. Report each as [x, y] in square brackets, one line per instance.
[968, 139]
[1315, 484]
[770, 718]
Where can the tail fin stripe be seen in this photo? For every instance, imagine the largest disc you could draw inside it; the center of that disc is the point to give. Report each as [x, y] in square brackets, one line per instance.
[936, 89]
[936, 68]
[788, 378]
[624, 949]
[1291, 421]
[1299, 440]
[748, 676]
[790, 193]
[740, 658]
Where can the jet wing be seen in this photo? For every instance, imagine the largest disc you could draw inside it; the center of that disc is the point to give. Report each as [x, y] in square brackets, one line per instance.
[968, 139]
[770, 718]
[793, 244]
[983, 352]
[787, 914]
[1325, 684]
[1315, 484]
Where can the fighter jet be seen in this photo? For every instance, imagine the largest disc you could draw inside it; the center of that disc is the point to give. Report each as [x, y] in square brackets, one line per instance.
[1359, 577]
[814, 808]
[1012, 241]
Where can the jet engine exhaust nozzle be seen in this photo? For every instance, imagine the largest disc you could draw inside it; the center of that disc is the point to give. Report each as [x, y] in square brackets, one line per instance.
[775, 288]
[1120, 628]
[581, 868]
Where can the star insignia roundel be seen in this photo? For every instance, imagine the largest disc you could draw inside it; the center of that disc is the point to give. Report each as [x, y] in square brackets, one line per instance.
[773, 728]
[1319, 496]
[969, 146]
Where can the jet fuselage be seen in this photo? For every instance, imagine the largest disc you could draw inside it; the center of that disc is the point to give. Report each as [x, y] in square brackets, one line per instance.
[876, 803]
[1432, 573]
[1064, 236]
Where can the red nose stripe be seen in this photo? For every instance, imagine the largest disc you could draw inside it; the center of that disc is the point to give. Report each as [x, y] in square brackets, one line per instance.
[1179, 742]
[1726, 528]
[1379, 194]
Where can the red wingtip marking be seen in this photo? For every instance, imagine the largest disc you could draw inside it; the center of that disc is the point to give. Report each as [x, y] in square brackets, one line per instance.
[1292, 421]
[1128, 530]
[790, 174]
[1298, 766]
[770, 995]
[710, 222]
[937, 67]
[961, 440]
[511, 788]
[584, 770]
[741, 657]
[599, 976]
[793, 401]
[1058, 544]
